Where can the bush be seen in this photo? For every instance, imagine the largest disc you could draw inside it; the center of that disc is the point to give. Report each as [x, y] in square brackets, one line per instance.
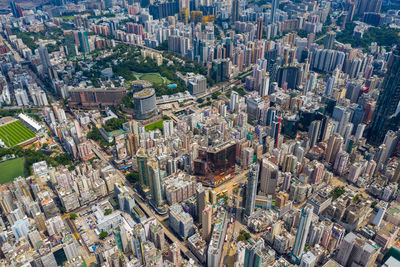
[107, 212]
[103, 235]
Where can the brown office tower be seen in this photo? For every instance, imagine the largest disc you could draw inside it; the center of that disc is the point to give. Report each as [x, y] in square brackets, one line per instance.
[216, 163]
[259, 28]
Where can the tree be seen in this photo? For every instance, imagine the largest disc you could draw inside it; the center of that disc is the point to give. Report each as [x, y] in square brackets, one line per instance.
[217, 33]
[107, 212]
[328, 21]
[103, 235]
[114, 124]
[302, 33]
[127, 101]
[337, 192]
[132, 177]
[244, 236]
[63, 159]
[240, 91]
[63, 209]
[163, 46]
[356, 198]
[200, 100]
[73, 216]
[94, 134]
[216, 94]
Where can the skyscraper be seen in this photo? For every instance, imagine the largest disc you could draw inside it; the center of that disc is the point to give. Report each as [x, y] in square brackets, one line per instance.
[254, 255]
[16, 10]
[275, 5]
[83, 42]
[44, 58]
[141, 158]
[302, 232]
[206, 222]
[385, 114]
[368, 6]
[313, 132]
[259, 28]
[202, 200]
[252, 181]
[264, 88]
[329, 86]
[235, 10]
[308, 260]
[329, 40]
[268, 177]
[356, 250]
[155, 182]
[69, 41]
[334, 146]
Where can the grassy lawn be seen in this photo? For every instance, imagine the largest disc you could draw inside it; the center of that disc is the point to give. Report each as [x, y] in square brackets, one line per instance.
[70, 18]
[157, 124]
[11, 169]
[15, 133]
[154, 78]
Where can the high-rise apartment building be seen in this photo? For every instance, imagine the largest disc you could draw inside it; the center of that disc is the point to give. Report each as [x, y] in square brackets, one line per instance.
[329, 40]
[235, 11]
[141, 158]
[16, 10]
[357, 251]
[252, 181]
[260, 25]
[202, 200]
[206, 222]
[155, 182]
[302, 232]
[388, 100]
[275, 5]
[83, 42]
[314, 132]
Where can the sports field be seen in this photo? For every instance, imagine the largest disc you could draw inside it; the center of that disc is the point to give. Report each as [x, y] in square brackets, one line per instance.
[157, 124]
[154, 78]
[11, 169]
[14, 133]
